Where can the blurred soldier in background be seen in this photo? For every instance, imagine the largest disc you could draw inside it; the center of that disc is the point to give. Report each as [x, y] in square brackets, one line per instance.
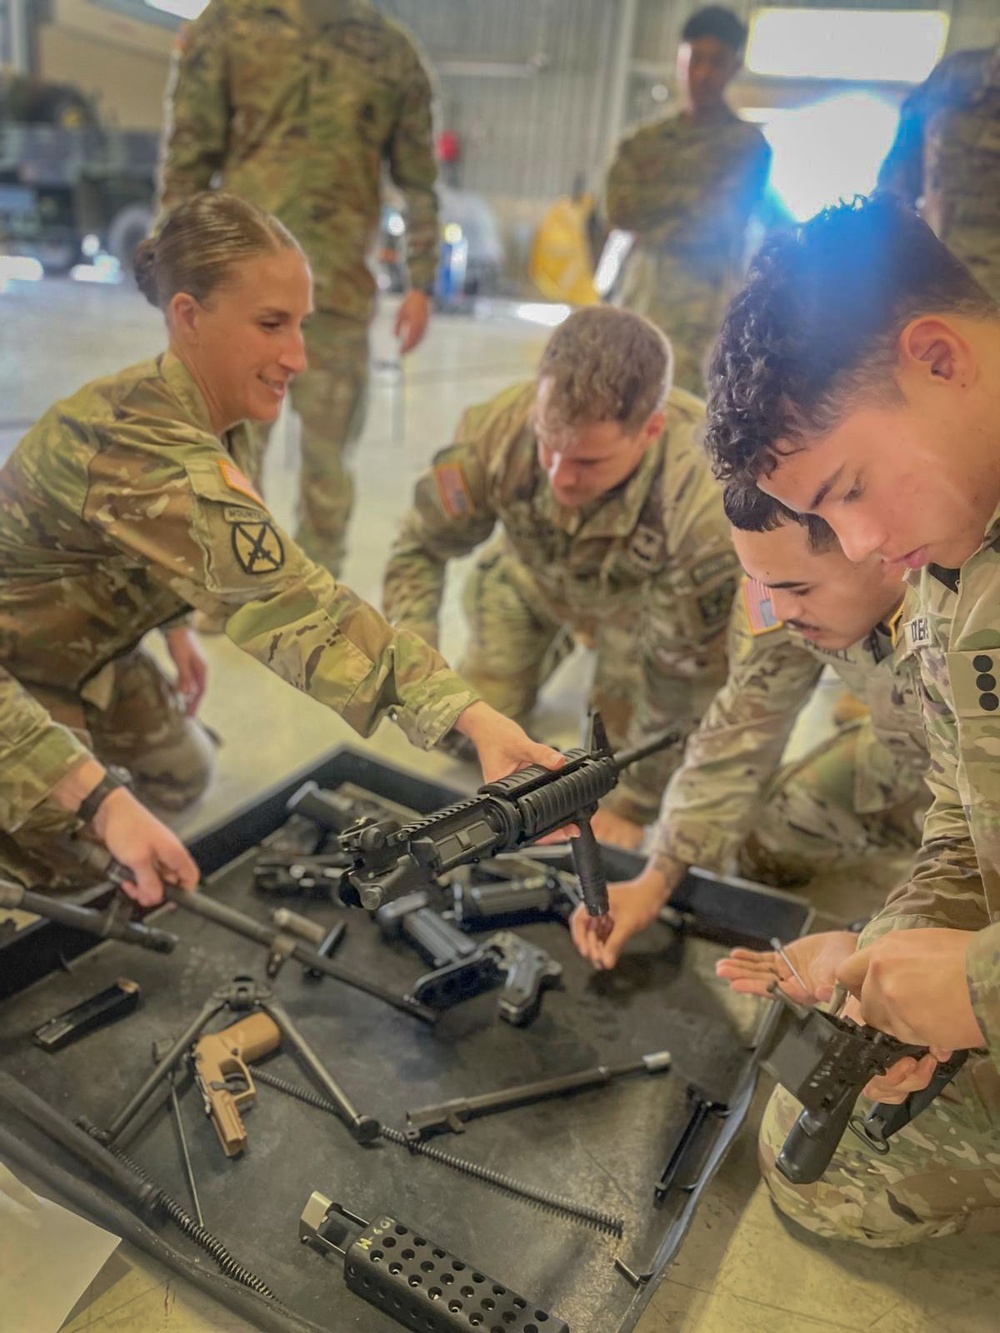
[296, 105]
[946, 159]
[611, 531]
[687, 187]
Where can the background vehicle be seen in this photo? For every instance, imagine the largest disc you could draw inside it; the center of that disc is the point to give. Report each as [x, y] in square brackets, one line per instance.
[471, 251]
[70, 187]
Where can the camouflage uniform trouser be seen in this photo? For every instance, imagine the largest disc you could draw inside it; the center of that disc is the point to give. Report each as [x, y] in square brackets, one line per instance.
[940, 1177]
[515, 644]
[809, 820]
[331, 399]
[144, 729]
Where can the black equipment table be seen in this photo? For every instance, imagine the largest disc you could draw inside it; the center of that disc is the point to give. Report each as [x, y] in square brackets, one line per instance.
[606, 1148]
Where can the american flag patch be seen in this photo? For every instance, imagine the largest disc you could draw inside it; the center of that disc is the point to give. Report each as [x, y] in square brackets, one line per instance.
[236, 481]
[760, 612]
[453, 492]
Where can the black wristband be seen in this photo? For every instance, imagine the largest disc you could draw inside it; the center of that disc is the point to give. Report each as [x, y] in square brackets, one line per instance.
[89, 806]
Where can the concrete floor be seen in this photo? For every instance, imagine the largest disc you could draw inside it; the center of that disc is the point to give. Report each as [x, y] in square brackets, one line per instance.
[740, 1270]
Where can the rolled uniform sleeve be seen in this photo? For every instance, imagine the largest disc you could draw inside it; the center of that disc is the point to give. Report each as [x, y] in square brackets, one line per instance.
[946, 886]
[710, 805]
[205, 534]
[982, 968]
[410, 155]
[956, 877]
[197, 109]
[35, 753]
[682, 643]
[451, 515]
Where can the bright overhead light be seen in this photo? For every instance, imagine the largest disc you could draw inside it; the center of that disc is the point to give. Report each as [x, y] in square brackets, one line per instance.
[829, 150]
[867, 45]
[182, 9]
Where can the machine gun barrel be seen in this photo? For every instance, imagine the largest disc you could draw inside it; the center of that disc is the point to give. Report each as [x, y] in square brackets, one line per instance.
[229, 919]
[107, 925]
[453, 1115]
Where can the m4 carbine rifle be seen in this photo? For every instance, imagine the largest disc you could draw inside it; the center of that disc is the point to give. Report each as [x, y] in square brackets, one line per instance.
[501, 817]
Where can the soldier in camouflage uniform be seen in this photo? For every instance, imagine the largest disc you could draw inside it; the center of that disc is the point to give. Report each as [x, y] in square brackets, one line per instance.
[50, 784]
[611, 529]
[128, 503]
[729, 806]
[687, 188]
[298, 105]
[857, 379]
[946, 159]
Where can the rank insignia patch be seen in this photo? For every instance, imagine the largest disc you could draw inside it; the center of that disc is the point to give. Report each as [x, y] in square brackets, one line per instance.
[453, 491]
[258, 548]
[760, 610]
[646, 547]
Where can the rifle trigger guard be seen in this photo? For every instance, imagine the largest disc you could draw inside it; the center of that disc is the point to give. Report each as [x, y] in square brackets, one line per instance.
[856, 1124]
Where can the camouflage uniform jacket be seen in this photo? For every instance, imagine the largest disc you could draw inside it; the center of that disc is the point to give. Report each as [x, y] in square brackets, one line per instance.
[710, 805]
[982, 966]
[120, 508]
[35, 753]
[688, 191]
[954, 636]
[656, 551]
[947, 154]
[296, 104]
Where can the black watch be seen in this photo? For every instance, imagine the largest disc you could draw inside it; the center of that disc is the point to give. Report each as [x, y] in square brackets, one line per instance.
[89, 806]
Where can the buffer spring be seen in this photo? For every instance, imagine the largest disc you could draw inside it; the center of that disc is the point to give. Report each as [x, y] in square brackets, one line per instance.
[594, 1217]
[212, 1246]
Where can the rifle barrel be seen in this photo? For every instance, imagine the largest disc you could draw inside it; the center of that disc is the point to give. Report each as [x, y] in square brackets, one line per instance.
[662, 741]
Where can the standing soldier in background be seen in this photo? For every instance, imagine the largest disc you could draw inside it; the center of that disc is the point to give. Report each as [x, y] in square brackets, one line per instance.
[687, 187]
[296, 105]
[611, 530]
[946, 159]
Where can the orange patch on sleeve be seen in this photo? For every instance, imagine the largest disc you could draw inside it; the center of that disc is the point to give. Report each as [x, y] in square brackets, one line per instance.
[453, 490]
[236, 481]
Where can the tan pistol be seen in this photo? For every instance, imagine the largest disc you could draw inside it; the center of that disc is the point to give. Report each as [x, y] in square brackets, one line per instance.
[220, 1063]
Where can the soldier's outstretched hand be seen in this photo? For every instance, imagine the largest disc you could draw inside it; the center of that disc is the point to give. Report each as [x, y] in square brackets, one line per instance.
[503, 747]
[816, 959]
[147, 848]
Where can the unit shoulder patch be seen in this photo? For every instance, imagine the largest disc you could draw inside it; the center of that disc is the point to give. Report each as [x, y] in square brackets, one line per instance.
[716, 603]
[257, 547]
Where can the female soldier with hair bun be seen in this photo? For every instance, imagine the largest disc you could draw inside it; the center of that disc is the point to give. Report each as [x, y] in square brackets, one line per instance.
[129, 502]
